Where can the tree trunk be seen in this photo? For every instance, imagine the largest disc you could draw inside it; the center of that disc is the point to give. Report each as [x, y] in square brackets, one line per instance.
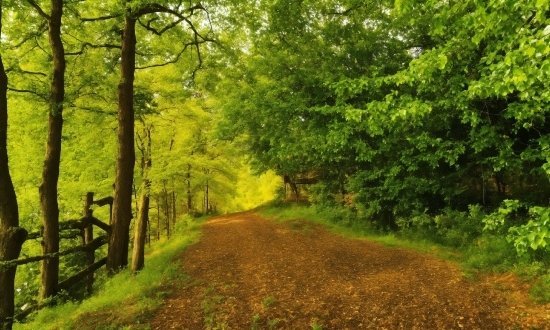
[138, 256]
[174, 210]
[149, 230]
[158, 219]
[189, 199]
[11, 240]
[117, 255]
[50, 173]
[206, 197]
[166, 211]
[294, 188]
[12, 236]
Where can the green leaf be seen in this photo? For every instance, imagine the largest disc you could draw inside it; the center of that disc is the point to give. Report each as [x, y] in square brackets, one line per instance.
[442, 61]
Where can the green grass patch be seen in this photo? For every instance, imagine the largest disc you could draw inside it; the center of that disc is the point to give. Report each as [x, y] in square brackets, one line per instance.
[541, 289]
[268, 301]
[125, 299]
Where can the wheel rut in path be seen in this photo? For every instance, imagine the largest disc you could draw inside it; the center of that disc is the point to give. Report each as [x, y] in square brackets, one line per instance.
[251, 273]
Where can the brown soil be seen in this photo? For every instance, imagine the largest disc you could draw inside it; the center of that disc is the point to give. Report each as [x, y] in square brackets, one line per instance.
[251, 273]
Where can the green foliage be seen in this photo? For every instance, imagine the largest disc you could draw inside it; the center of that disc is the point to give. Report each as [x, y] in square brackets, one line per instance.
[407, 113]
[526, 237]
[450, 228]
[496, 220]
[535, 234]
[422, 113]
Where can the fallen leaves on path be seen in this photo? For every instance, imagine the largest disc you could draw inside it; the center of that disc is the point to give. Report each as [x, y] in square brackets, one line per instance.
[251, 273]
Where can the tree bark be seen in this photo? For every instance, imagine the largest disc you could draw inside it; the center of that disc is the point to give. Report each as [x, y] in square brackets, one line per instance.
[174, 210]
[11, 240]
[166, 210]
[206, 197]
[158, 219]
[189, 199]
[50, 173]
[138, 256]
[117, 255]
[12, 236]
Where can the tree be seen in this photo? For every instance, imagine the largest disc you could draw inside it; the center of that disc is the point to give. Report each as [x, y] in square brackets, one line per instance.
[122, 207]
[138, 255]
[12, 236]
[50, 174]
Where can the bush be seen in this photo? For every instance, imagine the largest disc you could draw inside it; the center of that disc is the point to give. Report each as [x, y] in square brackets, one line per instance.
[491, 252]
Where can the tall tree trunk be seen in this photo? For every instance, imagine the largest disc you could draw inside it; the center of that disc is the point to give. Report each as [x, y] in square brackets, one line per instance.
[189, 198]
[206, 197]
[174, 211]
[158, 218]
[138, 255]
[50, 173]
[117, 255]
[149, 230]
[12, 236]
[166, 210]
[294, 188]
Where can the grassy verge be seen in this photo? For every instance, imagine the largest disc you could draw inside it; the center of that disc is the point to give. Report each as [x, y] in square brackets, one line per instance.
[480, 255]
[125, 301]
[290, 212]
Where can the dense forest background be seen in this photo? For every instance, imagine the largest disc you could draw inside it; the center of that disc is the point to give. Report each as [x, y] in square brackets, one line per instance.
[428, 117]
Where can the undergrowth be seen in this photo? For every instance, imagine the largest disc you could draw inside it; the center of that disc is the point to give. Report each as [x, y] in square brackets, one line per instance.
[139, 294]
[455, 236]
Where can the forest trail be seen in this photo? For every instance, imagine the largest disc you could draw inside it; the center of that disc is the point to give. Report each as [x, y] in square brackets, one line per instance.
[251, 273]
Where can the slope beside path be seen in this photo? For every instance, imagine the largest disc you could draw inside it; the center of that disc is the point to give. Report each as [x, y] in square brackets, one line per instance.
[251, 273]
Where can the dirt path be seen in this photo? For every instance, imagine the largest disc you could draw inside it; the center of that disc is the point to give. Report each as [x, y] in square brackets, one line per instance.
[251, 273]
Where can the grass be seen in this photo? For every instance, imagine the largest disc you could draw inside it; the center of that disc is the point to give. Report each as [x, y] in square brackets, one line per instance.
[140, 294]
[210, 306]
[272, 323]
[541, 290]
[268, 301]
[256, 322]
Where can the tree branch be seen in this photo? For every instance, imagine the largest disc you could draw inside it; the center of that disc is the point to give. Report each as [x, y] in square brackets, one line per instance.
[19, 70]
[87, 44]
[159, 32]
[100, 18]
[27, 91]
[165, 63]
[43, 27]
[39, 10]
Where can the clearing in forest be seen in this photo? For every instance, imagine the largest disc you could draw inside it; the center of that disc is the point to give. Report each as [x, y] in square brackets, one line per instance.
[251, 273]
